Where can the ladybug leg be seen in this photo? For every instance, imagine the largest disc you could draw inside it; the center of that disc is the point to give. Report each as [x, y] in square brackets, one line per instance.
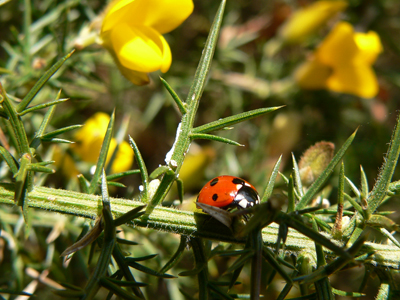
[239, 207]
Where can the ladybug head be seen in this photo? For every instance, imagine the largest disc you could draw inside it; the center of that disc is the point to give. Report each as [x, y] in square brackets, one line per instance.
[246, 197]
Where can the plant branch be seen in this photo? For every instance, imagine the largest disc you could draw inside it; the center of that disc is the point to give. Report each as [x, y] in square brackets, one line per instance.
[174, 158]
[180, 222]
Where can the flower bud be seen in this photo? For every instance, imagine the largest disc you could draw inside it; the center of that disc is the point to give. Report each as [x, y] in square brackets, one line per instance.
[314, 160]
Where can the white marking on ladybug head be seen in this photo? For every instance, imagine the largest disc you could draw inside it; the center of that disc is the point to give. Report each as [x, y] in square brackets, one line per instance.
[239, 197]
[247, 184]
[239, 186]
[243, 203]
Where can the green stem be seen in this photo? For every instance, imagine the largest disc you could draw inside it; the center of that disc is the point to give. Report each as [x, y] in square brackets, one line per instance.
[256, 264]
[201, 263]
[384, 292]
[179, 221]
[19, 135]
[380, 189]
[17, 125]
[174, 158]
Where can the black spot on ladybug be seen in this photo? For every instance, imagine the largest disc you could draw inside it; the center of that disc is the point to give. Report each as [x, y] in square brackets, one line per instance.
[214, 181]
[215, 197]
[237, 181]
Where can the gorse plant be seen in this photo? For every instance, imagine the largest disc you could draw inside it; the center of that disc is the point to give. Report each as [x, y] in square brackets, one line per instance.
[290, 237]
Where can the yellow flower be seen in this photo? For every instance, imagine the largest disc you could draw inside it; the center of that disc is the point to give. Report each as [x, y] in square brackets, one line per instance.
[89, 139]
[342, 63]
[64, 162]
[132, 32]
[196, 161]
[306, 21]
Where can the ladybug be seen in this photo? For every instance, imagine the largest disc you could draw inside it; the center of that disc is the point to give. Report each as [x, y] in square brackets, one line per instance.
[229, 192]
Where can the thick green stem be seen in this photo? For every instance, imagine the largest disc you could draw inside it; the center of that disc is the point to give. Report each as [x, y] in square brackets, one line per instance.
[179, 221]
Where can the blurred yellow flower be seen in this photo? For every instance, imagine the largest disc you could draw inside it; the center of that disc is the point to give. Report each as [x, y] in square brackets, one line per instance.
[132, 32]
[306, 21]
[89, 139]
[195, 163]
[64, 162]
[343, 63]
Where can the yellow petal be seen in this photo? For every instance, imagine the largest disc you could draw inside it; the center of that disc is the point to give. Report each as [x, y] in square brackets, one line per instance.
[306, 21]
[166, 15]
[196, 161]
[161, 15]
[132, 29]
[118, 11]
[339, 47]
[124, 158]
[359, 80]
[137, 78]
[116, 6]
[94, 127]
[167, 56]
[369, 45]
[89, 137]
[349, 55]
[312, 75]
[64, 162]
[137, 48]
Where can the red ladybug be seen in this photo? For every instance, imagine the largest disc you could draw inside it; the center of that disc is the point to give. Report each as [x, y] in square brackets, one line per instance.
[229, 192]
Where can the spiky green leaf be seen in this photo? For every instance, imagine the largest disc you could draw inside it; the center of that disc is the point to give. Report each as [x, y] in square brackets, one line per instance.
[204, 136]
[229, 121]
[178, 101]
[103, 155]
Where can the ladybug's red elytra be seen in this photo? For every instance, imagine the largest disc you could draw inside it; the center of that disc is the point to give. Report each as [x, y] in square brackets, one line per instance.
[229, 192]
